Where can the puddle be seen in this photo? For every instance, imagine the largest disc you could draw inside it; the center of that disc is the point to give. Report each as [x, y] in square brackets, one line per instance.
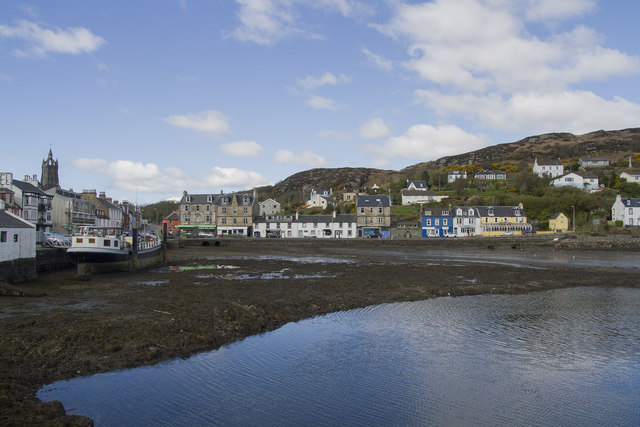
[199, 267]
[153, 282]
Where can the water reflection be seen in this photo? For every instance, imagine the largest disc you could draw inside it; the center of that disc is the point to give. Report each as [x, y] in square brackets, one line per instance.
[565, 357]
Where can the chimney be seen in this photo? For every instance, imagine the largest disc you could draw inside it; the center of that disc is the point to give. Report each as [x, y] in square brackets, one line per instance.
[108, 199]
[102, 195]
[184, 193]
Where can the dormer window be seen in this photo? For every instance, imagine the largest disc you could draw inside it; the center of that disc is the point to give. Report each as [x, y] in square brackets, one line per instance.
[209, 199]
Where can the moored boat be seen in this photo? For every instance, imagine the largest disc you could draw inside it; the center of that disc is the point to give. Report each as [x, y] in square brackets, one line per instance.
[103, 249]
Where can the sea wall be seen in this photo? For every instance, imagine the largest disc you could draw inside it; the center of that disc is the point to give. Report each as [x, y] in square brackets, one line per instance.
[52, 259]
[18, 270]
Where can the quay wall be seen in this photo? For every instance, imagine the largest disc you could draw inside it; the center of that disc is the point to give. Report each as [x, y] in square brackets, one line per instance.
[52, 259]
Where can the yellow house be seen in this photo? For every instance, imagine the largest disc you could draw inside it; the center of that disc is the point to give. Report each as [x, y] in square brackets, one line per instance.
[503, 220]
[559, 223]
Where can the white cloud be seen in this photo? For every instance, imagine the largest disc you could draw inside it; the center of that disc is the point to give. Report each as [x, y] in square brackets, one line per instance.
[73, 40]
[310, 82]
[374, 129]
[543, 10]
[378, 60]
[571, 111]
[425, 142]
[477, 46]
[242, 148]
[305, 158]
[335, 134]
[322, 103]
[149, 178]
[209, 122]
[267, 22]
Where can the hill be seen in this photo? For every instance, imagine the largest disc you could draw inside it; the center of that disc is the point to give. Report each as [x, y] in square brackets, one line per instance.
[615, 145]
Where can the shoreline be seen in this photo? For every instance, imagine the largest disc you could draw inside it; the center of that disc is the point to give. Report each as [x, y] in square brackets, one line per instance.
[64, 327]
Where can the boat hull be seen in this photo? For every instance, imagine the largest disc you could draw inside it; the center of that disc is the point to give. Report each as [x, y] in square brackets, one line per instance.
[91, 262]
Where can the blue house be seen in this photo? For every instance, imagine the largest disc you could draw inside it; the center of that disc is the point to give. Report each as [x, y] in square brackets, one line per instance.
[437, 222]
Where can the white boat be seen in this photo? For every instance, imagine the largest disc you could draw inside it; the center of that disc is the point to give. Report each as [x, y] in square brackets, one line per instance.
[101, 249]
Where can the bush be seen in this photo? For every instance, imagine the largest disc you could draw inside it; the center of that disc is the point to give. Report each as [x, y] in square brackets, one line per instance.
[619, 223]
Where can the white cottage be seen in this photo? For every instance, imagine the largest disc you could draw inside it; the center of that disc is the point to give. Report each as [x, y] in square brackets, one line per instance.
[584, 181]
[17, 247]
[626, 210]
[548, 168]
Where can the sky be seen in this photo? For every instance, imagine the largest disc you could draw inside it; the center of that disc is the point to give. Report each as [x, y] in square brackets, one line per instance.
[145, 99]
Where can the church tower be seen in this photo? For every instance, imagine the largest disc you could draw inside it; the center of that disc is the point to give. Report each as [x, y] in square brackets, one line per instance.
[50, 172]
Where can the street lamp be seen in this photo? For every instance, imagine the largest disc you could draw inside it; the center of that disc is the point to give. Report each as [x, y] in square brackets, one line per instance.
[574, 219]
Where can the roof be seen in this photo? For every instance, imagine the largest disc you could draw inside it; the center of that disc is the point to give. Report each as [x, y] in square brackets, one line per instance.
[418, 184]
[580, 174]
[326, 218]
[373, 201]
[499, 211]
[8, 220]
[556, 215]
[422, 193]
[598, 159]
[269, 200]
[173, 216]
[199, 198]
[26, 187]
[490, 172]
[632, 173]
[548, 162]
[457, 173]
[437, 212]
[631, 203]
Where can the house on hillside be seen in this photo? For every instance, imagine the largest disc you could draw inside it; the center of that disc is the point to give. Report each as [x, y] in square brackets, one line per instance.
[593, 161]
[269, 207]
[373, 215]
[321, 199]
[548, 168]
[436, 222]
[582, 180]
[17, 248]
[559, 223]
[490, 175]
[631, 176]
[33, 204]
[453, 176]
[626, 210]
[412, 197]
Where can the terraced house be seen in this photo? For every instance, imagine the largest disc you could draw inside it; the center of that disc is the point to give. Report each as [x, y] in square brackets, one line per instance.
[497, 220]
[198, 211]
[234, 214]
[373, 215]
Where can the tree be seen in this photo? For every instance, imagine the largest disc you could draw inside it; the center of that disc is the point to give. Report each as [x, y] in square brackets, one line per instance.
[424, 176]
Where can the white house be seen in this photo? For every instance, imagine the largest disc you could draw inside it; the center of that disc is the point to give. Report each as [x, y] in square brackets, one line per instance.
[33, 204]
[321, 199]
[417, 185]
[631, 176]
[548, 168]
[626, 210]
[579, 180]
[338, 226]
[269, 207]
[17, 237]
[456, 175]
[490, 175]
[410, 197]
[593, 161]
[466, 221]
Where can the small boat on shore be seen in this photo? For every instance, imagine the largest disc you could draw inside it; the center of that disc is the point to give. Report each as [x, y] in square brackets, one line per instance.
[104, 249]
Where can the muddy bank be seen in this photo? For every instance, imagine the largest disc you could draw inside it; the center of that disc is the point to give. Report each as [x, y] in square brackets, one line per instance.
[61, 327]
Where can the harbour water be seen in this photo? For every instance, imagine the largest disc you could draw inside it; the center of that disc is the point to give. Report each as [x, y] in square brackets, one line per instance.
[562, 357]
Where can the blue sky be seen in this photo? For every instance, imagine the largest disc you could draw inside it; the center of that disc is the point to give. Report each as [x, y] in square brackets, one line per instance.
[148, 98]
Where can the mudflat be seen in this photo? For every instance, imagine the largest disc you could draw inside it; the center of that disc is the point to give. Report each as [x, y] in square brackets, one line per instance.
[62, 326]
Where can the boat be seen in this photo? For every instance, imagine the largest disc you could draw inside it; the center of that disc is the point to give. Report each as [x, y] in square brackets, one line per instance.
[105, 249]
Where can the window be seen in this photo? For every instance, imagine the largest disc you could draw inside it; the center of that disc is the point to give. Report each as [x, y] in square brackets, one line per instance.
[428, 222]
[106, 243]
[436, 222]
[3, 236]
[224, 210]
[245, 210]
[235, 211]
[235, 221]
[362, 210]
[445, 222]
[224, 220]
[379, 210]
[246, 221]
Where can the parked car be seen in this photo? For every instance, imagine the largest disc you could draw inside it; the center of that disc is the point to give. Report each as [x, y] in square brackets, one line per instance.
[507, 233]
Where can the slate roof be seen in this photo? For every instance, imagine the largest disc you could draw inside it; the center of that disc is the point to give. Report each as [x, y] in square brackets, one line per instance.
[437, 212]
[9, 221]
[200, 199]
[631, 203]
[544, 162]
[26, 187]
[418, 184]
[373, 201]
[227, 199]
[500, 211]
[556, 215]
[173, 216]
[423, 193]
[327, 218]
